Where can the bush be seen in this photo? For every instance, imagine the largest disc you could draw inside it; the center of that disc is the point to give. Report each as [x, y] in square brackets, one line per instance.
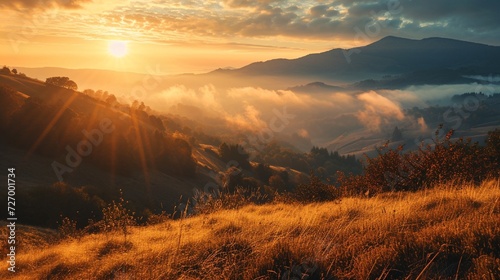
[68, 229]
[116, 217]
[443, 161]
[316, 191]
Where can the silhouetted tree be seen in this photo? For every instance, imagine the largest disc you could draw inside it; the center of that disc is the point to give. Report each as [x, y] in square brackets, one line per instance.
[64, 82]
[5, 71]
[111, 99]
[315, 191]
[141, 106]
[89, 92]
[71, 85]
[397, 135]
[262, 172]
[235, 153]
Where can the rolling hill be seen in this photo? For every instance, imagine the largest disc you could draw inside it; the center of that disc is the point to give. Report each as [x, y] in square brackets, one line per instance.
[144, 156]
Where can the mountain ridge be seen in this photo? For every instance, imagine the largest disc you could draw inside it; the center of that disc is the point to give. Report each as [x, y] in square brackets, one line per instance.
[389, 55]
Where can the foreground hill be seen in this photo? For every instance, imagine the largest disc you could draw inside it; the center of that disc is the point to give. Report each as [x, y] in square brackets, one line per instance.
[450, 232]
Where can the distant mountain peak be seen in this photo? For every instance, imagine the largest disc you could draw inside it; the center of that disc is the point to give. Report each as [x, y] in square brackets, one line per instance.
[390, 41]
[394, 38]
[389, 55]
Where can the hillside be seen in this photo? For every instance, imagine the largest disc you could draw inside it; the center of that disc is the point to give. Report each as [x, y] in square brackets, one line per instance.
[450, 232]
[55, 137]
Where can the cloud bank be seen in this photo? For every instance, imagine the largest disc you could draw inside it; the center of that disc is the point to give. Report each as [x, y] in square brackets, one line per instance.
[42, 4]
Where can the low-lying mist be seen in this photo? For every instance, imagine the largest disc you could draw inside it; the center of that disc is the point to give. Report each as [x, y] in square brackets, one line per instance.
[302, 119]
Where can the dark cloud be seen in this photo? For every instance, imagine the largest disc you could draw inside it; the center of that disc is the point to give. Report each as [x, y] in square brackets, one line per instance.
[323, 10]
[42, 4]
[365, 9]
[338, 19]
[249, 3]
[461, 19]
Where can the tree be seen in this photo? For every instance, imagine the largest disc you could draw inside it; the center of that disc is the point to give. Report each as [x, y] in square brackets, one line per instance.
[315, 191]
[64, 82]
[134, 105]
[5, 71]
[277, 183]
[141, 107]
[71, 85]
[89, 92]
[14, 71]
[235, 153]
[397, 135]
[111, 99]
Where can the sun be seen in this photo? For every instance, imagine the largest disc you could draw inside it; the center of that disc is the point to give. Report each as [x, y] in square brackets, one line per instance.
[117, 48]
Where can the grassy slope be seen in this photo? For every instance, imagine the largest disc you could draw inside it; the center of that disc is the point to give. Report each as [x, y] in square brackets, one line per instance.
[38, 169]
[440, 233]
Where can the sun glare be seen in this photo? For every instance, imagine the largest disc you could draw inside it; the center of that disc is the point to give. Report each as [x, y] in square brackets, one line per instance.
[117, 48]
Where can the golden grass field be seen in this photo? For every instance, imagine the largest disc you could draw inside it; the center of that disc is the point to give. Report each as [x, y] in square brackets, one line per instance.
[448, 232]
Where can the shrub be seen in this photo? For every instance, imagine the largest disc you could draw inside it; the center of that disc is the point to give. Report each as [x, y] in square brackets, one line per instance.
[116, 217]
[443, 161]
[68, 229]
[315, 191]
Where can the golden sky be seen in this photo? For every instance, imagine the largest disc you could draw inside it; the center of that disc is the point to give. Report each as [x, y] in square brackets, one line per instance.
[199, 36]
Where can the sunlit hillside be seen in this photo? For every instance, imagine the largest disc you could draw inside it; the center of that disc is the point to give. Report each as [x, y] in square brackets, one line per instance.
[449, 232]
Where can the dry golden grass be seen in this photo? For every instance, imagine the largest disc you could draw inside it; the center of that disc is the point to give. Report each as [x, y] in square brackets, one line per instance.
[450, 232]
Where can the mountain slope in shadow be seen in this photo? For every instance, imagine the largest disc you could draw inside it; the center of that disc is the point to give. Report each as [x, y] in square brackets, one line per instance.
[390, 55]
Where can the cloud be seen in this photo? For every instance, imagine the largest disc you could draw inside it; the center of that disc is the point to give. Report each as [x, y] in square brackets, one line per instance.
[42, 4]
[423, 125]
[316, 20]
[421, 96]
[303, 133]
[323, 10]
[248, 3]
[250, 119]
[241, 20]
[378, 110]
[317, 118]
